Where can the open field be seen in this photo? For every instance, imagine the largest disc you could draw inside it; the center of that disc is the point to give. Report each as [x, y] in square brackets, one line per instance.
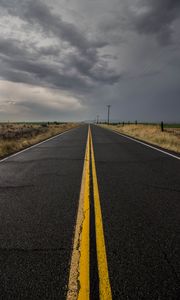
[168, 139]
[17, 136]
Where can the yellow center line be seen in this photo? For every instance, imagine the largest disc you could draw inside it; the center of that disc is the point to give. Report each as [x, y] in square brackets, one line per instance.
[84, 281]
[104, 283]
[79, 277]
[78, 287]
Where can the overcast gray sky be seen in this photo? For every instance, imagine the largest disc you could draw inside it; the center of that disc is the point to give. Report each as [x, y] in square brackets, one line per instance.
[67, 59]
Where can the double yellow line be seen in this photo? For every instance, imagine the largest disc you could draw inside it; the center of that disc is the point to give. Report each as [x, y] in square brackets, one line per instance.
[79, 278]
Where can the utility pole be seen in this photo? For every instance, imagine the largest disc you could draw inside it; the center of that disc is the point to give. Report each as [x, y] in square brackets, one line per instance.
[97, 119]
[108, 106]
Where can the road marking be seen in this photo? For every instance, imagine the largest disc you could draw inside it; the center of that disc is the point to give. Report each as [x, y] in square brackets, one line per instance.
[147, 145]
[35, 145]
[79, 285]
[104, 283]
[79, 276]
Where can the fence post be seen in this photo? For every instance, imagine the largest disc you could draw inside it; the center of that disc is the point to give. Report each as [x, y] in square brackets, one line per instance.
[162, 126]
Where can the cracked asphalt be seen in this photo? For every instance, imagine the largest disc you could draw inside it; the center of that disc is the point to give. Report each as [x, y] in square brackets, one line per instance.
[140, 201]
[39, 194]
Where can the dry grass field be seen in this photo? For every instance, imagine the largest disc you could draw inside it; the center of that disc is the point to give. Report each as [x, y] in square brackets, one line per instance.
[14, 137]
[168, 139]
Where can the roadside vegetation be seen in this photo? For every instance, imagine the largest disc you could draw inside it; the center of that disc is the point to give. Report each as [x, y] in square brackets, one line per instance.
[17, 136]
[168, 139]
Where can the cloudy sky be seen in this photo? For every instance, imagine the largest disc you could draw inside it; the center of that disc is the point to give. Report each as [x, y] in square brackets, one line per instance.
[67, 60]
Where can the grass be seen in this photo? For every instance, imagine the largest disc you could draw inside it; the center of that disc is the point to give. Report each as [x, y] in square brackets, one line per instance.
[175, 125]
[15, 137]
[152, 134]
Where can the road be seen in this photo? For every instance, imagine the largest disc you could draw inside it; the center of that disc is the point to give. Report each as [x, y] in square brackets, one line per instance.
[90, 214]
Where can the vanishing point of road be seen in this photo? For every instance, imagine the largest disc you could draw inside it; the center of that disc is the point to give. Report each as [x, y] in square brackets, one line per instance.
[90, 214]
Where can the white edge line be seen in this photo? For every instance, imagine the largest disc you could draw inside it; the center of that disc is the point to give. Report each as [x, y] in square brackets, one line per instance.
[137, 141]
[35, 145]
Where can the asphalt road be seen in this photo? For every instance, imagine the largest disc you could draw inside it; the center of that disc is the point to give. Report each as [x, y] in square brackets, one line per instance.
[140, 201]
[39, 193]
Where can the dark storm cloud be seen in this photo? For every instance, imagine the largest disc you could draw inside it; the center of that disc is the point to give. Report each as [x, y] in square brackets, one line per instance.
[98, 71]
[37, 73]
[38, 13]
[10, 47]
[18, 76]
[89, 67]
[74, 73]
[148, 17]
[49, 50]
[14, 48]
[107, 54]
[41, 109]
[157, 18]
